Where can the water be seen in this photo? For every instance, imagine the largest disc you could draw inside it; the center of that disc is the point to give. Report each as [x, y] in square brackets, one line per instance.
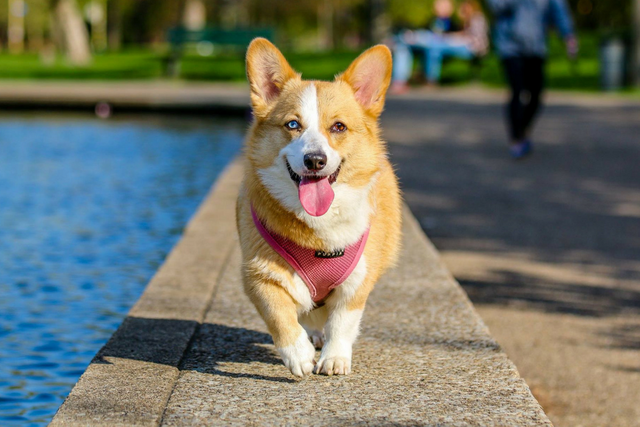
[88, 211]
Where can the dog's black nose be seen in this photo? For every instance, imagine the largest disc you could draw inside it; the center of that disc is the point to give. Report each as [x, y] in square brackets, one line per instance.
[315, 161]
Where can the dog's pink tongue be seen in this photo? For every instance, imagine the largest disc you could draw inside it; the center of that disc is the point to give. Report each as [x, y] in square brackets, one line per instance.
[316, 195]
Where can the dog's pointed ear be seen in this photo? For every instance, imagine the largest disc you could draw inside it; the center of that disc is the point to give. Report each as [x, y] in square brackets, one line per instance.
[267, 71]
[369, 75]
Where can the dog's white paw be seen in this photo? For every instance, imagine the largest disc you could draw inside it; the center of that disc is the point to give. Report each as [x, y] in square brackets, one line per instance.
[336, 365]
[317, 339]
[300, 357]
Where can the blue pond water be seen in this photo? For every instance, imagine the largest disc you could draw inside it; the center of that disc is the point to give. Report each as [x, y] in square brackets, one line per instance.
[88, 211]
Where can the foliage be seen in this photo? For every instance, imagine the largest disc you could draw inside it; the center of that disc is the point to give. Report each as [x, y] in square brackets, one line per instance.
[299, 24]
[603, 15]
[146, 21]
[147, 64]
[411, 14]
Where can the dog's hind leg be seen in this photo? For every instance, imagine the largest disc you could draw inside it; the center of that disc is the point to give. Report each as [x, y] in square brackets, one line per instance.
[313, 322]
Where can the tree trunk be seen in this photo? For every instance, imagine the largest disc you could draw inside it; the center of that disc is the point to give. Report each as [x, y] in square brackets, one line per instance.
[325, 24]
[195, 15]
[378, 24]
[15, 27]
[635, 72]
[36, 21]
[96, 12]
[114, 25]
[234, 13]
[73, 32]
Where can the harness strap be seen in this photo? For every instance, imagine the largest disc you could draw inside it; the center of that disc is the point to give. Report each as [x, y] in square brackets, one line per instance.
[321, 273]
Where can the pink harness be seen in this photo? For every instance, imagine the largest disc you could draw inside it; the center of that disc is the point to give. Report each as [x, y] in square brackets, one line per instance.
[322, 272]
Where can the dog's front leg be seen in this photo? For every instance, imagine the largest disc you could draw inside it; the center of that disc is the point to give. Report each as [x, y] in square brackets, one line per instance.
[279, 312]
[341, 331]
[345, 309]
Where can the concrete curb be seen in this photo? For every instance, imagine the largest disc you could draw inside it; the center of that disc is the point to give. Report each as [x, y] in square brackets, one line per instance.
[144, 96]
[232, 98]
[194, 352]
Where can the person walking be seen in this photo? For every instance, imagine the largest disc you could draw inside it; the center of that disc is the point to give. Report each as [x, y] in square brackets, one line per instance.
[520, 39]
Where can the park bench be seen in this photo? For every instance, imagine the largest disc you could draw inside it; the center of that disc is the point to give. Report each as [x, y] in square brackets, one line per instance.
[235, 39]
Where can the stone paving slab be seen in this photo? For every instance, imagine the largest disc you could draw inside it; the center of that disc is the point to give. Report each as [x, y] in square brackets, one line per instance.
[424, 357]
[193, 350]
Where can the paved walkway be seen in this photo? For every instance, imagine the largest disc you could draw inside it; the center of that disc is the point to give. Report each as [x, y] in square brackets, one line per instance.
[548, 249]
[193, 350]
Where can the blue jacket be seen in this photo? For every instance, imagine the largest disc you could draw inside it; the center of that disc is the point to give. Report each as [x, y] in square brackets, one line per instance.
[521, 25]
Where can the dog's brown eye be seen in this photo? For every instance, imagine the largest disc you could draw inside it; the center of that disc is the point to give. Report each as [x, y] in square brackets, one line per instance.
[338, 127]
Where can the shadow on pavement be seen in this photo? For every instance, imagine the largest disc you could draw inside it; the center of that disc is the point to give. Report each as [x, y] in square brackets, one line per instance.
[625, 337]
[161, 341]
[215, 344]
[575, 202]
[164, 341]
[554, 297]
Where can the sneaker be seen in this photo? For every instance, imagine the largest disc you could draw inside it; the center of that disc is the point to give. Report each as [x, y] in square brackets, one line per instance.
[520, 150]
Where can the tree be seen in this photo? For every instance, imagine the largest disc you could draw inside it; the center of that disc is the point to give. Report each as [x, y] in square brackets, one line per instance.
[378, 22]
[15, 25]
[147, 21]
[635, 72]
[71, 32]
[114, 24]
[410, 13]
[37, 22]
[195, 15]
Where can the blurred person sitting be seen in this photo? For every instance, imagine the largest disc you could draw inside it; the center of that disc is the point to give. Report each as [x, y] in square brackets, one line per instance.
[443, 21]
[520, 38]
[472, 41]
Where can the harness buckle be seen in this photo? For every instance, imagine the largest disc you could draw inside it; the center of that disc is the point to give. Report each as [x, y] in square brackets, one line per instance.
[326, 255]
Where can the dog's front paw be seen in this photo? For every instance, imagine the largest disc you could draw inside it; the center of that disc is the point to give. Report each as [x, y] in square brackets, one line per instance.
[335, 365]
[300, 357]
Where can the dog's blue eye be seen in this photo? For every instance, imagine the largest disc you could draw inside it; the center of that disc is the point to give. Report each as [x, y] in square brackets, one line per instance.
[292, 125]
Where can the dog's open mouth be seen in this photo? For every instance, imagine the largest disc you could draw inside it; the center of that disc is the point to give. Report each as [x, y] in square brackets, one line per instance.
[314, 191]
[297, 178]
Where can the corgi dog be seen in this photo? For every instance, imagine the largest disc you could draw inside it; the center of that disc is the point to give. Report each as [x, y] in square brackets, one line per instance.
[319, 210]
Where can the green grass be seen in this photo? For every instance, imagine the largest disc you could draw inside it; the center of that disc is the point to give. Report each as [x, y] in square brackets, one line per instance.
[137, 64]
[147, 64]
[116, 66]
[319, 66]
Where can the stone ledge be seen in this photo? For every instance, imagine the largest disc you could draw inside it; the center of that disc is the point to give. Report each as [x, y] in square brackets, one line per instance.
[138, 96]
[233, 98]
[193, 350]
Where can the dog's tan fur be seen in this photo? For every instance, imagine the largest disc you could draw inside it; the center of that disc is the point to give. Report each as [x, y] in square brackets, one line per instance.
[355, 98]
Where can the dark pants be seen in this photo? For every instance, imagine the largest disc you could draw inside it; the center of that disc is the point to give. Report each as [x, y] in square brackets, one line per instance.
[525, 75]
